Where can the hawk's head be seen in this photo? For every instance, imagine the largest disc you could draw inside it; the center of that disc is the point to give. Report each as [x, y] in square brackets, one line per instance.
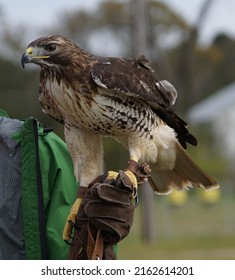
[50, 51]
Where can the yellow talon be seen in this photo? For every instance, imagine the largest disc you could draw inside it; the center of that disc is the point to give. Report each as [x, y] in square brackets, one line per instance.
[132, 177]
[112, 175]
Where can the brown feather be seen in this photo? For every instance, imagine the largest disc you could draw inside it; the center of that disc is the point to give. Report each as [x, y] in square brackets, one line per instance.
[185, 174]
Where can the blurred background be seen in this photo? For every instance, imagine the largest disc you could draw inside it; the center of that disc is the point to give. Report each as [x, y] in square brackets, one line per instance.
[189, 43]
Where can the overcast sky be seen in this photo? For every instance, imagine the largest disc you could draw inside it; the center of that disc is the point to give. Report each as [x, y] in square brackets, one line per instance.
[45, 13]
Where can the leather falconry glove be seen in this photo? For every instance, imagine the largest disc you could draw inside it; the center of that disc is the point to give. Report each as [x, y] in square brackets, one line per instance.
[104, 217]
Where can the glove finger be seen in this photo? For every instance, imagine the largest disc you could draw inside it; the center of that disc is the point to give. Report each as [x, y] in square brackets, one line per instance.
[112, 194]
[67, 232]
[68, 229]
[113, 231]
[98, 208]
[115, 222]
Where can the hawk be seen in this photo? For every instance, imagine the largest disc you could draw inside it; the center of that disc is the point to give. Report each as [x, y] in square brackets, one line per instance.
[96, 96]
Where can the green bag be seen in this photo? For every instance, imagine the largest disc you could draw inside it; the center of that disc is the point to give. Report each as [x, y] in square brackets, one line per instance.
[48, 190]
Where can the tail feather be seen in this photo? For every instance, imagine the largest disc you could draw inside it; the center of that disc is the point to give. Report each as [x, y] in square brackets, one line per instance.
[185, 174]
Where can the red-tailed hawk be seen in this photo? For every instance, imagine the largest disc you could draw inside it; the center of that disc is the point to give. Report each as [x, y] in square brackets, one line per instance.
[117, 97]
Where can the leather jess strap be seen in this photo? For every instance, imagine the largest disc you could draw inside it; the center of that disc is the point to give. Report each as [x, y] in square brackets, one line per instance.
[95, 245]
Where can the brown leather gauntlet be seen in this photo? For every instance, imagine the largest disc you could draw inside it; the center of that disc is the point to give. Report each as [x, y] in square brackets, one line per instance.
[104, 218]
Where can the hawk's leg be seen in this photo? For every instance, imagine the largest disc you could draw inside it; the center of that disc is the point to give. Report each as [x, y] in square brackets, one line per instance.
[136, 146]
[86, 150]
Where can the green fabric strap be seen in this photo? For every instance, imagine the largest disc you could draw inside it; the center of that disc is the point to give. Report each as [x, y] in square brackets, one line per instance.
[31, 216]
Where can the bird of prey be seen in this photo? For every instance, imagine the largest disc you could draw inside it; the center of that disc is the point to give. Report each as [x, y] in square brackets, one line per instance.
[96, 96]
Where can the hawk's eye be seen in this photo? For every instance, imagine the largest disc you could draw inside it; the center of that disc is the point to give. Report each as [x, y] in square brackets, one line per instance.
[50, 47]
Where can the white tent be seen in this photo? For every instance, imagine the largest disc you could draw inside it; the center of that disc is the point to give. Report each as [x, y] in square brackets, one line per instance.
[218, 110]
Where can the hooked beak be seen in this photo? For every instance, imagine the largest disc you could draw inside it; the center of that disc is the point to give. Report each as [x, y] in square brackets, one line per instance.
[29, 56]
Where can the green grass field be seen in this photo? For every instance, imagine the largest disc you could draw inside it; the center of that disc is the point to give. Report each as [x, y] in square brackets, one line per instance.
[192, 231]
